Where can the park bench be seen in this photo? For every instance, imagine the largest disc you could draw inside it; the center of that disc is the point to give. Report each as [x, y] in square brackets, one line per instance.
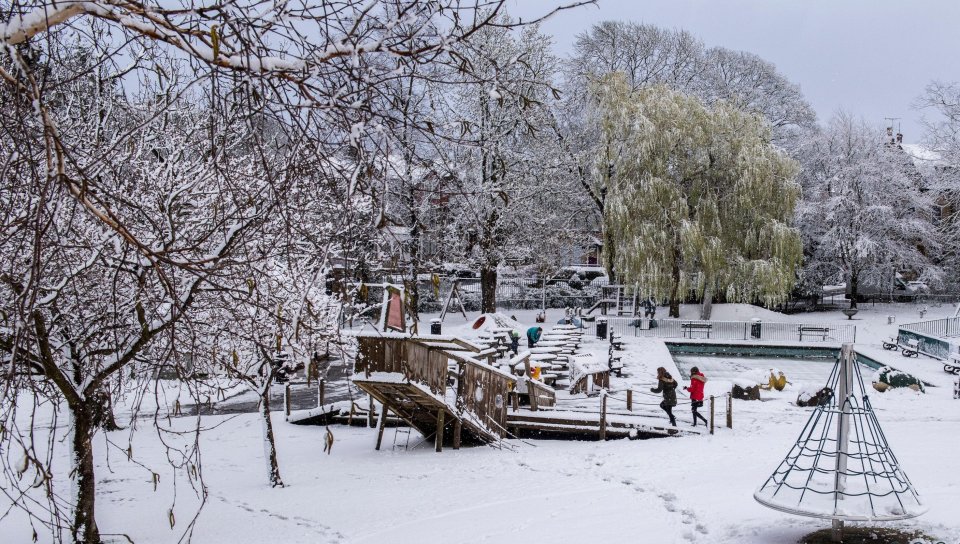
[616, 341]
[689, 328]
[822, 332]
[890, 343]
[911, 349]
[953, 364]
[616, 366]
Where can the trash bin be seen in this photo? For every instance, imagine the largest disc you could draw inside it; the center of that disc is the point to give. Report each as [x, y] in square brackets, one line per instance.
[434, 326]
[601, 328]
[755, 328]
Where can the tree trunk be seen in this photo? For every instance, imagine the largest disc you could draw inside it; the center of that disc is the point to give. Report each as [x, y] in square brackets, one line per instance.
[854, 289]
[488, 289]
[269, 443]
[609, 254]
[707, 309]
[84, 528]
[675, 289]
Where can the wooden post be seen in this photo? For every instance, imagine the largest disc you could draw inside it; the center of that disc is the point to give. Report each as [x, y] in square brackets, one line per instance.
[603, 417]
[729, 410]
[457, 428]
[320, 393]
[382, 424]
[532, 393]
[711, 413]
[371, 413]
[286, 399]
[439, 440]
[353, 405]
[515, 399]
[630, 400]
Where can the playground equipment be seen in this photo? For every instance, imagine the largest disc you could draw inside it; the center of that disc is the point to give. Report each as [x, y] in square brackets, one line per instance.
[841, 467]
[454, 293]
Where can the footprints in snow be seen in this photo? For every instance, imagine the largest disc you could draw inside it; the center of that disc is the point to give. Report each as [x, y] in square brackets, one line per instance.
[324, 531]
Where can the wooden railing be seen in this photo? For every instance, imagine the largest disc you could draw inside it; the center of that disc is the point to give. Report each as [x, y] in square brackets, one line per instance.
[483, 391]
[415, 361]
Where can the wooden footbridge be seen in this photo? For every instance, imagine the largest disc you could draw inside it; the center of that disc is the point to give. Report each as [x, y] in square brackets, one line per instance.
[449, 390]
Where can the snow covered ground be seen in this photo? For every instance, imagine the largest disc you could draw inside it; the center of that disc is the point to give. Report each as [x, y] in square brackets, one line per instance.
[693, 489]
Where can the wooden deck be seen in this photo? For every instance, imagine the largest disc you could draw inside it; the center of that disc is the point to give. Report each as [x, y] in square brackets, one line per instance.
[585, 425]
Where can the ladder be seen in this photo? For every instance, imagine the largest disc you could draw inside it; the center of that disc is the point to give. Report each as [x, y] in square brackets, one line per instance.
[406, 442]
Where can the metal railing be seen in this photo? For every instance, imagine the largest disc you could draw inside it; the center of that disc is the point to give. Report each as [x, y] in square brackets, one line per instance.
[947, 327]
[733, 330]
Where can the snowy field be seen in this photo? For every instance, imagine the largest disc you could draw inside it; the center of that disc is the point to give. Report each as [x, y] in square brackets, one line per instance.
[693, 489]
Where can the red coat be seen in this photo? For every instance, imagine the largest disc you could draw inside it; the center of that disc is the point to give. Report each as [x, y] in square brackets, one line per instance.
[697, 381]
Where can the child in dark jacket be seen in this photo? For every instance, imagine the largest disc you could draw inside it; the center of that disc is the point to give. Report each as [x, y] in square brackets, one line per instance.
[697, 381]
[668, 386]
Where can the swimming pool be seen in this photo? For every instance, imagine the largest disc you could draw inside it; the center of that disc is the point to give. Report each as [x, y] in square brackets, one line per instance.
[727, 362]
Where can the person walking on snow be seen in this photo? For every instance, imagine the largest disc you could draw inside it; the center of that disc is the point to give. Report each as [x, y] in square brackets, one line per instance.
[533, 336]
[668, 386]
[697, 381]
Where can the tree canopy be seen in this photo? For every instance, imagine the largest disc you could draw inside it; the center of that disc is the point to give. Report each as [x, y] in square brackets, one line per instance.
[697, 198]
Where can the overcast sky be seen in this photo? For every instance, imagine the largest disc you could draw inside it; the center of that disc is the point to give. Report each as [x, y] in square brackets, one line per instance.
[870, 57]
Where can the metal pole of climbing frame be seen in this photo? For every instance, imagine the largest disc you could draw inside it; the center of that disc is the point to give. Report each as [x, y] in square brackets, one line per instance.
[845, 390]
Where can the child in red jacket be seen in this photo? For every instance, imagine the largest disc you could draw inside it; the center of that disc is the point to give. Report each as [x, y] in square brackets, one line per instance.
[697, 381]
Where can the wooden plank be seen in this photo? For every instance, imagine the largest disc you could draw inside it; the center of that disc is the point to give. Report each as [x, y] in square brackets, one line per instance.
[439, 437]
[383, 424]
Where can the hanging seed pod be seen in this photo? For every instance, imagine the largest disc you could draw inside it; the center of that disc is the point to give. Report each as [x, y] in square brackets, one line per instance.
[173, 520]
[130, 452]
[156, 480]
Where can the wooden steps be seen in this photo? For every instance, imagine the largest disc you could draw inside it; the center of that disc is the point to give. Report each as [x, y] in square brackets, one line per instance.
[425, 412]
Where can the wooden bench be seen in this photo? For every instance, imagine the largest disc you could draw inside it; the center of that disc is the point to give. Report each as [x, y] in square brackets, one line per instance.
[689, 328]
[912, 349]
[616, 341]
[822, 332]
[616, 366]
[890, 343]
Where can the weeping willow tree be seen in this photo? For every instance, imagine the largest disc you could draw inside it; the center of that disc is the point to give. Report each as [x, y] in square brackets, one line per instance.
[697, 198]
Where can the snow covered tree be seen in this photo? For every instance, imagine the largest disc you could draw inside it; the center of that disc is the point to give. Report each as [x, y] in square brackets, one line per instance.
[698, 199]
[144, 148]
[497, 168]
[865, 215]
[942, 99]
[649, 55]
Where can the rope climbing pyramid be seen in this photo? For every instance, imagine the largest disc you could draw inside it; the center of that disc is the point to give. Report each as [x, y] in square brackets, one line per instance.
[841, 467]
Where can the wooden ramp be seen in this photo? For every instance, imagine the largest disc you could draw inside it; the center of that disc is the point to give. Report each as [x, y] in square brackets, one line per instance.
[584, 425]
[425, 412]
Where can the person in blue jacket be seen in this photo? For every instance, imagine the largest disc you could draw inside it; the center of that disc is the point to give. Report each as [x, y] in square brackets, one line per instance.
[533, 336]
